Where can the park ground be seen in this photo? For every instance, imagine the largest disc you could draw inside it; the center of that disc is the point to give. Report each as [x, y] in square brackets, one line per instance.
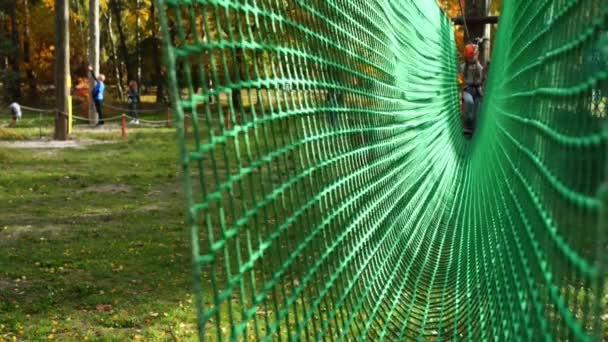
[92, 240]
[93, 244]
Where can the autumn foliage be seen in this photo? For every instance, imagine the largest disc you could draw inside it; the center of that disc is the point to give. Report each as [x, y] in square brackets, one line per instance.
[27, 43]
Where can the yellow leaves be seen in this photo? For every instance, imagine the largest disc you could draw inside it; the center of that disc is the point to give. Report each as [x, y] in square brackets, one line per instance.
[51, 336]
[116, 268]
[50, 4]
[103, 5]
[450, 7]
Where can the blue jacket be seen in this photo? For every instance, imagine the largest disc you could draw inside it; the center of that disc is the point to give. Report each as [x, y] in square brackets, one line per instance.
[98, 91]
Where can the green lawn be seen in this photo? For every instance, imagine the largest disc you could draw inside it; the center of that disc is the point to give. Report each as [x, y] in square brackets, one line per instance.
[93, 244]
[92, 240]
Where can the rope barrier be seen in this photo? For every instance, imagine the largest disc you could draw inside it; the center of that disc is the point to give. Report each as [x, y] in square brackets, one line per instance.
[80, 118]
[164, 122]
[128, 110]
[152, 125]
[39, 110]
[141, 122]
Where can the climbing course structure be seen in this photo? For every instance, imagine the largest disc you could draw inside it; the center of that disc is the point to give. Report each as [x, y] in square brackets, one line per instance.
[331, 194]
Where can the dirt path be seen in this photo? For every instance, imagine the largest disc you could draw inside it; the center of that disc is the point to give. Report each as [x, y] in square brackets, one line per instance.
[52, 144]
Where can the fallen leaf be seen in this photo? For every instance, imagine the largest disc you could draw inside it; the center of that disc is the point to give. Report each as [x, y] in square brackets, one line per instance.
[104, 307]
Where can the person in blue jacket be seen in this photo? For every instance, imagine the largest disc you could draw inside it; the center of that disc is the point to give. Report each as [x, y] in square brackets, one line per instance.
[97, 94]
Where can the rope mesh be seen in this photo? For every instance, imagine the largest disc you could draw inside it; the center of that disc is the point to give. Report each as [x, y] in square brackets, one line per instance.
[331, 194]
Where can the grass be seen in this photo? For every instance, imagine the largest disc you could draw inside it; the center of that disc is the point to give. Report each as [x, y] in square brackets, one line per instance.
[92, 241]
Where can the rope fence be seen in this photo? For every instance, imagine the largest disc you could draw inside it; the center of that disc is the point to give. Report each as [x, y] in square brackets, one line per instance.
[121, 118]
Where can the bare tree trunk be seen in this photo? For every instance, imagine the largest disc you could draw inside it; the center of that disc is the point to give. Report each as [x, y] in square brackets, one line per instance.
[93, 54]
[138, 41]
[62, 67]
[3, 62]
[5, 56]
[116, 7]
[2, 37]
[16, 85]
[26, 50]
[81, 27]
[113, 56]
[236, 94]
[160, 82]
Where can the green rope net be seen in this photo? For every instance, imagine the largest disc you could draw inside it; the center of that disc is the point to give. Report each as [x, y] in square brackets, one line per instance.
[330, 191]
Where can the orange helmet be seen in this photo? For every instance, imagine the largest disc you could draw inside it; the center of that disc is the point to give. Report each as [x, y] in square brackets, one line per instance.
[470, 50]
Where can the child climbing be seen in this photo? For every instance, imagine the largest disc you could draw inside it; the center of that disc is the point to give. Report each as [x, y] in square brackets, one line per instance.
[97, 94]
[133, 100]
[471, 74]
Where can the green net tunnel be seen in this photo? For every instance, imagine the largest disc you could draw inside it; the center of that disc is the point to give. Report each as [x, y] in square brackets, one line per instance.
[331, 194]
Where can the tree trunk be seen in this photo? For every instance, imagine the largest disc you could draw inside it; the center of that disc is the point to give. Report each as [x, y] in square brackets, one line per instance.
[160, 82]
[3, 62]
[113, 56]
[236, 94]
[138, 41]
[82, 28]
[16, 84]
[93, 55]
[62, 67]
[479, 8]
[116, 7]
[5, 37]
[26, 50]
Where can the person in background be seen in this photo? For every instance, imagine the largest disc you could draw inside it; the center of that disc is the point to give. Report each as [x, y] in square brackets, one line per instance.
[133, 99]
[15, 112]
[97, 94]
[472, 77]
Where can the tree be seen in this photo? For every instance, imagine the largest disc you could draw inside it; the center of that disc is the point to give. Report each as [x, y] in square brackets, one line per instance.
[138, 38]
[479, 8]
[160, 82]
[5, 47]
[16, 84]
[26, 50]
[62, 66]
[93, 52]
[113, 55]
[116, 8]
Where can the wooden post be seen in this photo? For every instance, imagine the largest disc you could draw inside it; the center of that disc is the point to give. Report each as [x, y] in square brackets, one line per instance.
[227, 121]
[62, 67]
[123, 125]
[169, 117]
[479, 8]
